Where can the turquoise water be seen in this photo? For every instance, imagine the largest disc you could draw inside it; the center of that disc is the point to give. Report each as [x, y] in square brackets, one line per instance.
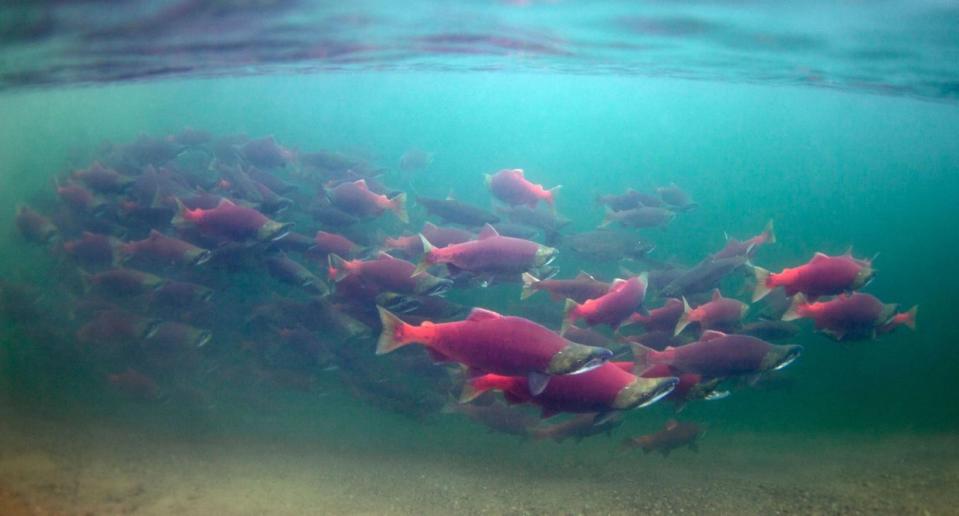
[833, 167]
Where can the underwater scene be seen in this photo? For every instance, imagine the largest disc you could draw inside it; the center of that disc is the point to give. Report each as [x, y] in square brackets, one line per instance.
[480, 257]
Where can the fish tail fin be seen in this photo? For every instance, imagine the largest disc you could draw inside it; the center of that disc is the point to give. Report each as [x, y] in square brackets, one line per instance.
[607, 217]
[550, 197]
[795, 308]
[570, 311]
[393, 335]
[909, 318]
[641, 356]
[762, 288]
[529, 285]
[770, 232]
[181, 215]
[399, 208]
[472, 388]
[683, 319]
[424, 262]
[338, 267]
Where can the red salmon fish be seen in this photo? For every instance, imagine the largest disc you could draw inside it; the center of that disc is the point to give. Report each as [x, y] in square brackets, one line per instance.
[232, 222]
[720, 313]
[356, 198]
[489, 342]
[822, 276]
[849, 316]
[613, 308]
[512, 187]
[489, 253]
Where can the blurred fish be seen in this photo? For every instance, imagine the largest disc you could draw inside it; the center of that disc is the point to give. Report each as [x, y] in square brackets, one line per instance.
[579, 289]
[451, 210]
[612, 308]
[642, 217]
[720, 313]
[823, 275]
[673, 435]
[578, 428]
[675, 197]
[746, 247]
[512, 187]
[357, 199]
[415, 159]
[847, 317]
[496, 417]
[33, 226]
[489, 253]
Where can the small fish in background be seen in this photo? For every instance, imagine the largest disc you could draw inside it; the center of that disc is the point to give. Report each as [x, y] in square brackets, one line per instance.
[663, 318]
[629, 200]
[416, 159]
[135, 385]
[705, 276]
[266, 153]
[511, 187]
[496, 417]
[102, 179]
[674, 434]
[579, 289]
[607, 245]
[357, 199]
[93, 251]
[33, 226]
[163, 250]
[641, 217]
[746, 247]
[578, 427]
[719, 313]
[457, 212]
[676, 197]
[847, 317]
[624, 297]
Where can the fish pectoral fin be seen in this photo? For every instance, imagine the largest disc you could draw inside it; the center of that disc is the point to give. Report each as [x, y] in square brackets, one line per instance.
[537, 382]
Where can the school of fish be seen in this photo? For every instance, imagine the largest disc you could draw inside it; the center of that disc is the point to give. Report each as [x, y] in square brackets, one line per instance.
[191, 264]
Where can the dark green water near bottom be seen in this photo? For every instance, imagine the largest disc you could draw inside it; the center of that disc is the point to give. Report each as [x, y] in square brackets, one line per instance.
[832, 169]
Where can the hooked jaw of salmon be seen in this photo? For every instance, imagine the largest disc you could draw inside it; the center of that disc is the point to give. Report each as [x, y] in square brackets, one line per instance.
[864, 277]
[643, 392]
[273, 230]
[780, 358]
[577, 358]
[545, 256]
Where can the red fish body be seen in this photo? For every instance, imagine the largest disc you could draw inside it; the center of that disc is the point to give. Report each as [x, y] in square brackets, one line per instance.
[289, 271]
[717, 355]
[844, 317]
[125, 282]
[822, 276]
[613, 307]
[490, 253]
[80, 199]
[356, 198]
[720, 313]
[489, 342]
[103, 179]
[34, 227]
[512, 187]
[443, 236]
[232, 222]
[663, 318]
[93, 249]
[746, 247]
[332, 243]
[579, 289]
[386, 274]
[673, 435]
[603, 389]
[160, 249]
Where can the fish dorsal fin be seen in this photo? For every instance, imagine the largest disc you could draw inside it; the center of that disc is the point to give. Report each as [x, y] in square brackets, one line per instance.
[583, 275]
[848, 251]
[671, 424]
[717, 295]
[818, 257]
[383, 255]
[482, 314]
[487, 232]
[519, 172]
[154, 234]
[616, 283]
[225, 202]
[361, 183]
[711, 335]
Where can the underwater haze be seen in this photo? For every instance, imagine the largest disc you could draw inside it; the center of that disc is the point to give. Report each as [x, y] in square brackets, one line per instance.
[249, 366]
